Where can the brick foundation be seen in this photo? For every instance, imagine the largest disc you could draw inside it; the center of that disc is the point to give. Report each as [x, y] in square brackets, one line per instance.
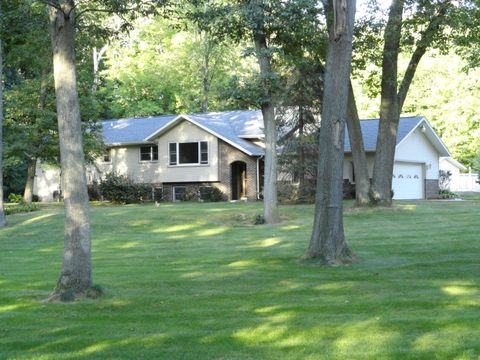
[431, 188]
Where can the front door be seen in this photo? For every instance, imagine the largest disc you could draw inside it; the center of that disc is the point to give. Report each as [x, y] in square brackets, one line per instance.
[239, 179]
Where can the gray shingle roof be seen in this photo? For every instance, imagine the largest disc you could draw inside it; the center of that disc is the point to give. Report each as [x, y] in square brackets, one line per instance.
[370, 130]
[233, 126]
[133, 130]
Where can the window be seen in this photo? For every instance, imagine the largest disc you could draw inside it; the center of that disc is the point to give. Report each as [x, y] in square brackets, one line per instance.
[106, 156]
[179, 193]
[149, 153]
[188, 153]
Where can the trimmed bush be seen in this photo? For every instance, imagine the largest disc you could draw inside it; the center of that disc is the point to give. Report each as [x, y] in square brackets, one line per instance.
[212, 193]
[22, 208]
[122, 190]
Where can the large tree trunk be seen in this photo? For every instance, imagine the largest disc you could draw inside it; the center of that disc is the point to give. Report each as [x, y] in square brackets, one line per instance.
[327, 242]
[76, 273]
[389, 109]
[362, 179]
[3, 220]
[270, 203]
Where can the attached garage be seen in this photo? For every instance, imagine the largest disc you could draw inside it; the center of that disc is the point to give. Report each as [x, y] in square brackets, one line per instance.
[408, 181]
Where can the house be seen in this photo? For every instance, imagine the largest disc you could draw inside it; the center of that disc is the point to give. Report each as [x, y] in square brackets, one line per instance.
[183, 153]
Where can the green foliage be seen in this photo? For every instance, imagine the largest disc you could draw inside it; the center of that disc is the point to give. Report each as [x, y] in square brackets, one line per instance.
[212, 194]
[446, 194]
[21, 208]
[123, 190]
[15, 198]
[159, 69]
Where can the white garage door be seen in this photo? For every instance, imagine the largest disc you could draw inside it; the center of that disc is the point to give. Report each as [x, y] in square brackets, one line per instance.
[407, 181]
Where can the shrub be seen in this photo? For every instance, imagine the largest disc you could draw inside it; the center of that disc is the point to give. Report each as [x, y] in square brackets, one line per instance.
[22, 208]
[15, 198]
[212, 194]
[259, 219]
[94, 191]
[446, 194]
[121, 189]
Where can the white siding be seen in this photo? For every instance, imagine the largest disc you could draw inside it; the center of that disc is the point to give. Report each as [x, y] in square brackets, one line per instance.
[187, 132]
[416, 148]
[126, 160]
[47, 180]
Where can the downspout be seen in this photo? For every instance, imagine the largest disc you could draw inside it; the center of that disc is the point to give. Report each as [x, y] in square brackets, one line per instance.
[258, 176]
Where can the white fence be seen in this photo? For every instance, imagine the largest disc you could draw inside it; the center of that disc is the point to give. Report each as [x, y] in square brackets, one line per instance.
[465, 182]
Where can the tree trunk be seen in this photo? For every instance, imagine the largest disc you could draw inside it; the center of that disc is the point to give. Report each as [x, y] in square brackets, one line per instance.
[301, 155]
[3, 220]
[381, 193]
[32, 163]
[270, 203]
[76, 273]
[362, 179]
[327, 242]
[28, 193]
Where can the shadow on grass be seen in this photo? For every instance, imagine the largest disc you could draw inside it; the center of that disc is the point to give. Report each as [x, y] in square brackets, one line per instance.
[181, 285]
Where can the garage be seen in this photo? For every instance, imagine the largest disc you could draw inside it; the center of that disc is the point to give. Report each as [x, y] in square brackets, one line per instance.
[407, 182]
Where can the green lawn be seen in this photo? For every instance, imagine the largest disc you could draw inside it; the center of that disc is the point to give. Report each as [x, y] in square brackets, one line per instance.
[197, 281]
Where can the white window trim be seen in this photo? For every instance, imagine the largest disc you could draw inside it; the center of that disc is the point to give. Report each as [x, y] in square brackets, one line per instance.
[199, 163]
[151, 154]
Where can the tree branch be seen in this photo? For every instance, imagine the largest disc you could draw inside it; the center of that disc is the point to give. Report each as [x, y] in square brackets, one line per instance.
[422, 46]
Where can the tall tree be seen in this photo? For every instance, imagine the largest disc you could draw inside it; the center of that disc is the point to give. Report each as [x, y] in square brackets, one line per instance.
[327, 242]
[389, 108]
[431, 16]
[264, 56]
[3, 220]
[76, 273]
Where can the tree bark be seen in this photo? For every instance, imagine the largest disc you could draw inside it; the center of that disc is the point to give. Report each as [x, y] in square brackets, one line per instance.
[270, 202]
[362, 179]
[3, 220]
[76, 272]
[381, 193]
[328, 242]
[28, 192]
